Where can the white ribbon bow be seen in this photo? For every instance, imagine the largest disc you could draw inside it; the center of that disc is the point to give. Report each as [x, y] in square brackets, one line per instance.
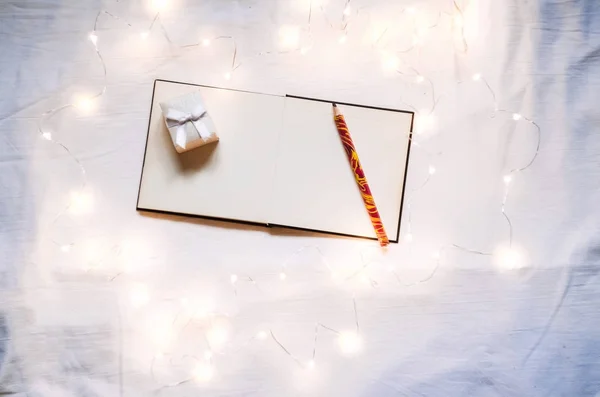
[179, 119]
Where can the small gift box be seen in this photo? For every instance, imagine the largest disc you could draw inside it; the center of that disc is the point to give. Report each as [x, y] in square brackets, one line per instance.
[188, 122]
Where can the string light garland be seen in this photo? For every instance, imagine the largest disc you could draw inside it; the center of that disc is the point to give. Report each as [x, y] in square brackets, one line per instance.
[349, 342]
[506, 256]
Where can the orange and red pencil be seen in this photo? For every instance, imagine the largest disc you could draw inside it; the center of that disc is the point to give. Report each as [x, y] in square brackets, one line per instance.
[359, 175]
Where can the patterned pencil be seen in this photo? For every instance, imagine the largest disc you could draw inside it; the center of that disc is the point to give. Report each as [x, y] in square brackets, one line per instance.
[359, 175]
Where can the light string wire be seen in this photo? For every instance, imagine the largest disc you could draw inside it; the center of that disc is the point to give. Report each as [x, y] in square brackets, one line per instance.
[516, 117]
[460, 15]
[46, 116]
[418, 76]
[507, 178]
[318, 326]
[208, 355]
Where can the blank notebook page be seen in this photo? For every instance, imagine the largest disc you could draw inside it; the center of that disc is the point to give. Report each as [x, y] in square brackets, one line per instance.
[229, 179]
[314, 186]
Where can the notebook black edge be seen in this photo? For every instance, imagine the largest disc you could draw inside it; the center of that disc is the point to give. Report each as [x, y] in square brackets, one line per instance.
[352, 104]
[137, 203]
[268, 225]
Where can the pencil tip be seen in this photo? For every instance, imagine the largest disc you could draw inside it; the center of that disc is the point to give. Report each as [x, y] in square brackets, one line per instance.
[334, 105]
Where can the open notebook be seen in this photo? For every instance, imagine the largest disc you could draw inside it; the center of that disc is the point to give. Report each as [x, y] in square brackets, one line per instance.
[279, 162]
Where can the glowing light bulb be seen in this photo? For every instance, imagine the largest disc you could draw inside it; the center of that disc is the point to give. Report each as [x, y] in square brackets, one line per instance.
[217, 335]
[408, 237]
[290, 36]
[205, 42]
[92, 265]
[507, 179]
[83, 103]
[93, 38]
[144, 35]
[458, 21]
[509, 258]
[343, 39]
[261, 335]
[80, 203]
[349, 343]
[65, 248]
[477, 77]
[420, 79]
[282, 276]
[347, 10]
[204, 307]
[162, 334]
[310, 364]
[391, 62]
[516, 116]
[160, 5]
[139, 295]
[234, 278]
[425, 121]
[227, 76]
[431, 170]
[203, 372]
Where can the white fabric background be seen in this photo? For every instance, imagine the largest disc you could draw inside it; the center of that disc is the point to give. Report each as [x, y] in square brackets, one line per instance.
[67, 330]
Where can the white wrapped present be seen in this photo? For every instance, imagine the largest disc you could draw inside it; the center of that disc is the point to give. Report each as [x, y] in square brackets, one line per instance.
[188, 122]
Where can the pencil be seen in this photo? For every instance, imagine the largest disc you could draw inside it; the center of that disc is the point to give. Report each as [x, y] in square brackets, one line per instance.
[359, 176]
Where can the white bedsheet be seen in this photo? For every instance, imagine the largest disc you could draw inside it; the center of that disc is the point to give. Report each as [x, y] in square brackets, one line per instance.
[67, 325]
